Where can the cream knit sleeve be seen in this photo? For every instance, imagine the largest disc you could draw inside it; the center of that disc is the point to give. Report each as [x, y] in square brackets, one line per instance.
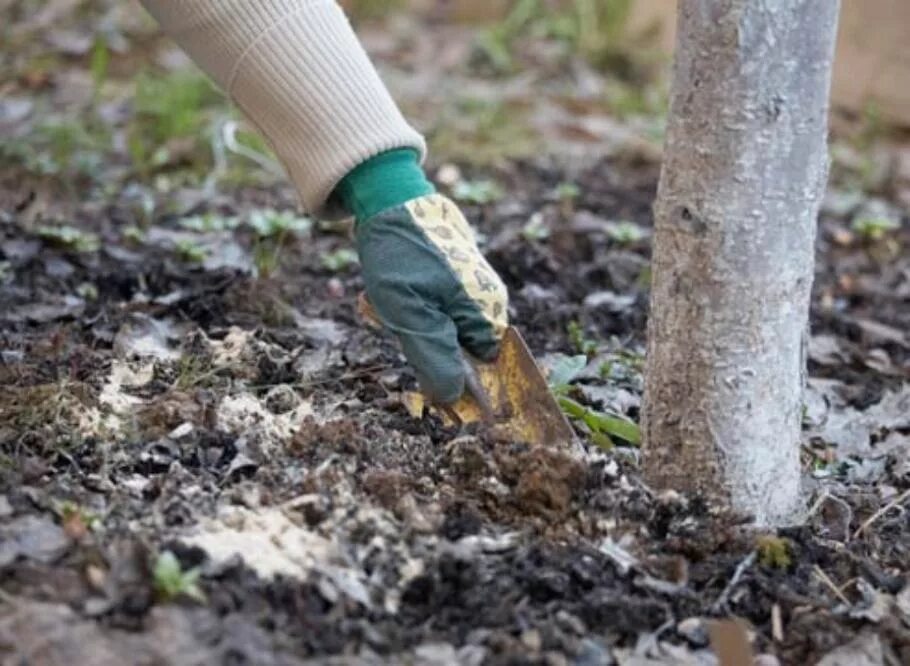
[298, 72]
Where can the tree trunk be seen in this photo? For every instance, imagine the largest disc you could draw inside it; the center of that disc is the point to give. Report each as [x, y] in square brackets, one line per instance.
[745, 166]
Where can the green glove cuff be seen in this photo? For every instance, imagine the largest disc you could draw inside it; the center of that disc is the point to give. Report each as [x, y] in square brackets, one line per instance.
[386, 180]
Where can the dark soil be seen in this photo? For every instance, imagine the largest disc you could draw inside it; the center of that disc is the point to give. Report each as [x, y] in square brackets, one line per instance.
[252, 426]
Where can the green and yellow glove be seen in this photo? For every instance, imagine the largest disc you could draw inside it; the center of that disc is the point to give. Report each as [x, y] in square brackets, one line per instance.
[424, 275]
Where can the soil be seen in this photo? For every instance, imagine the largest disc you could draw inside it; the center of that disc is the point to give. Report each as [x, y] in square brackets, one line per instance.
[256, 429]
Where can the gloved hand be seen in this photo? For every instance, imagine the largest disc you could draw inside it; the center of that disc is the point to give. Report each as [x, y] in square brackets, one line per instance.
[430, 285]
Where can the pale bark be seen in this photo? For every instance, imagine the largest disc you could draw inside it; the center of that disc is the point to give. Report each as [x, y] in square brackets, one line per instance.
[745, 166]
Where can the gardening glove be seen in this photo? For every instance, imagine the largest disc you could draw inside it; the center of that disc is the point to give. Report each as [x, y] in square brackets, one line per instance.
[424, 275]
[430, 285]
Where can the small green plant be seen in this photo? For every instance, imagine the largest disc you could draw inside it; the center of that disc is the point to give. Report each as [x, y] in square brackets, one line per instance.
[592, 29]
[567, 194]
[602, 427]
[872, 227]
[87, 291]
[101, 58]
[478, 192]
[484, 132]
[59, 146]
[773, 552]
[339, 260]
[272, 229]
[76, 520]
[173, 106]
[625, 233]
[209, 222]
[535, 229]
[269, 223]
[563, 371]
[190, 251]
[171, 581]
[580, 342]
[69, 238]
[133, 234]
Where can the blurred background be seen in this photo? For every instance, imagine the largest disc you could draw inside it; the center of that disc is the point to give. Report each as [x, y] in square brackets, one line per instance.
[92, 93]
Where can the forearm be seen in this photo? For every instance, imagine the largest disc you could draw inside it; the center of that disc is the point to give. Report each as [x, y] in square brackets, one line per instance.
[297, 70]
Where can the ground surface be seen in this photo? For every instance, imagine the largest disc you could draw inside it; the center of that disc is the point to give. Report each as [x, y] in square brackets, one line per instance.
[182, 370]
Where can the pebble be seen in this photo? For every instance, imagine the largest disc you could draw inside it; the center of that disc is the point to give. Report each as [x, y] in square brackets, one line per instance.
[531, 639]
[693, 630]
[5, 509]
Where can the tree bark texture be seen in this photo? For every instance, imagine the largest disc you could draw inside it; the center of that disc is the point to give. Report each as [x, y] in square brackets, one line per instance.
[745, 168]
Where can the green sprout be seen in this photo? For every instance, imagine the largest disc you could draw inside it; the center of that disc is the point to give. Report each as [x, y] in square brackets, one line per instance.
[69, 238]
[535, 229]
[601, 426]
[581, 343]
[209, 222]
[478, 192]
[190, 251]
[625, 233]
[339, 260]
[171, 581]
[269, 223]
[567, 191]
[874, 227]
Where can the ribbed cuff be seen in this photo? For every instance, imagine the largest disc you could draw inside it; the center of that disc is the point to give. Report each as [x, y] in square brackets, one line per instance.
[384, 181]
[298, 72]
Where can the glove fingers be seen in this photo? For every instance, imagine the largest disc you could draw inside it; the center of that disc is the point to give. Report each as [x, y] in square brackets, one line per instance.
[428, 336]
[476, 332]
[436, 358]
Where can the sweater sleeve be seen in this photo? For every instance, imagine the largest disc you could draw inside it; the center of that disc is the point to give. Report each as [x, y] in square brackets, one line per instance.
[298, 72]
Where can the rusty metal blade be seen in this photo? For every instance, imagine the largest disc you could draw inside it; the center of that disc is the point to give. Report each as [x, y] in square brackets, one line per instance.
[509, 394]
[512, 393]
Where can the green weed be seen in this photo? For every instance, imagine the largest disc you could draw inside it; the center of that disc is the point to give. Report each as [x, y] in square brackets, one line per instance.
[69, 238]
[625, 233]
[168, 107]
[602, 427]
[190, 251]
[76, 516]
[874, 221]
[272, 230]
[87, 291]
[101, 58]
[535, 229]
[209, 222]
[171, 581]
[478, 192]
[269, 223]
[483, 132]
[578, 339]
[592, 29]
[339, 260]
[59, 147]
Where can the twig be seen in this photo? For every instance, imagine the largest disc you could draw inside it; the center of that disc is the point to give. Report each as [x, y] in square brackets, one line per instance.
[824, 578]
[777, 624]
[881, 512]
[734, 581]
[229, 137]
